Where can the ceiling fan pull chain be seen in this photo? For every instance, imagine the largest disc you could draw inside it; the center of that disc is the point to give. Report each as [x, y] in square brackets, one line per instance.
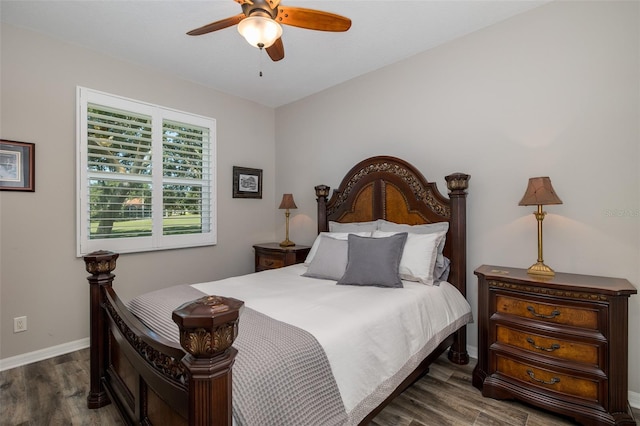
[260, 59]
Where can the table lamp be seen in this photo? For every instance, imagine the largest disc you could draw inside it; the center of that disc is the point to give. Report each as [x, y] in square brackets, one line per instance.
[287, 203]
[540, 192]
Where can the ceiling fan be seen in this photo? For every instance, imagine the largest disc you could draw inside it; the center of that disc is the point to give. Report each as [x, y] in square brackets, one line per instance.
[260, 21]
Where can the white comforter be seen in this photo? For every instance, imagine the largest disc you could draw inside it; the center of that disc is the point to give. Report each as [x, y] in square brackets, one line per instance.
[373, 337]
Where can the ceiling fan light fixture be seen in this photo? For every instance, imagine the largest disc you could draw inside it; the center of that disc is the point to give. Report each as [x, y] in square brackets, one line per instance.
[260, 31]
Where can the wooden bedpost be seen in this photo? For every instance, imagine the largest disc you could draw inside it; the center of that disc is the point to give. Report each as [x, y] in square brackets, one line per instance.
[99, 264]
[208, 326]
[457, 184]
[322, 192]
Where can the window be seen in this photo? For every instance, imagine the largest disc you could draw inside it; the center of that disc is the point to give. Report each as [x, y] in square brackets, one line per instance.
[146, 176]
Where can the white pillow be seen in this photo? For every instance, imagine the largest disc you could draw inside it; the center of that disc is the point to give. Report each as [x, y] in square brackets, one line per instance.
[427, 228]
[337, 236]
[353, 227]
[419, 256]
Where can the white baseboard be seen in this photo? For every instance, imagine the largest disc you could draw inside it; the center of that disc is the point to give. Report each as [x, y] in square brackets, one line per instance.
[634, 400]
[28, 358]
[473, 352]
[39, 355]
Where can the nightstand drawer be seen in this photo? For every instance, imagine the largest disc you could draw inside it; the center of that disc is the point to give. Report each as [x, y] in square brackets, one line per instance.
[549, 379]
[556, 313]
[266, 261]
[557, 348]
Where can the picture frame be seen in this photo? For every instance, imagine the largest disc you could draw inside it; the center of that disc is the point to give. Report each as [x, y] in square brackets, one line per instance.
[247, 182]
[17, 166]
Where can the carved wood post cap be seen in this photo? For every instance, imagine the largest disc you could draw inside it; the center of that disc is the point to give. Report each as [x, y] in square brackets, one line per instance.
[100, 262]
[322, 191]
[208, 325]
[457, 182]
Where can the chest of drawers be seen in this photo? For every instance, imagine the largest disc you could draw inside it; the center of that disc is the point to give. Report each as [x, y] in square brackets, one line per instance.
[559, 343]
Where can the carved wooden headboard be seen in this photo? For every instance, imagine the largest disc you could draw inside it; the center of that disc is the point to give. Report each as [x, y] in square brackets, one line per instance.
[390, 188]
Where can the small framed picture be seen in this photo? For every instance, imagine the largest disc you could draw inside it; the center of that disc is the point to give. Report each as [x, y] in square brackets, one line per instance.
[247, 183]
[17, 166]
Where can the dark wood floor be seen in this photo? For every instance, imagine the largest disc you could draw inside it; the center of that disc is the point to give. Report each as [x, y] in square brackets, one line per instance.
[54, 391]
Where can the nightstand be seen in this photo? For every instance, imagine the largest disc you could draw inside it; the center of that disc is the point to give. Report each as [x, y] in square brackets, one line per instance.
[272, 255]
[560, 343]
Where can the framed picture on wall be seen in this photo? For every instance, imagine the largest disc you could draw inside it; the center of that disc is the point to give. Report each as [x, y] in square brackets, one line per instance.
[247, 183]
[17, 166]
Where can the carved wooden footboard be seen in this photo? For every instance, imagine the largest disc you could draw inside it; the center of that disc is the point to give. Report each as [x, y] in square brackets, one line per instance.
[154, 381]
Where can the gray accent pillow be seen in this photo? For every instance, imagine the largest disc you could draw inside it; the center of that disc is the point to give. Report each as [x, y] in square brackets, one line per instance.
[330, 259]
[441, 273]
[374, 261]
[336, 235]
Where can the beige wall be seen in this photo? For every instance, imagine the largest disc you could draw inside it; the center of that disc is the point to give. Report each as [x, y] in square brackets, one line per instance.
[554, 92]
[39, 273]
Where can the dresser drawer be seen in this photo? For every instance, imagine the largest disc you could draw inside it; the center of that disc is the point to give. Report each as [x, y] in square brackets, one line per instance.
[550, 379]
[270, 261]
[556, 312]
[556, 348]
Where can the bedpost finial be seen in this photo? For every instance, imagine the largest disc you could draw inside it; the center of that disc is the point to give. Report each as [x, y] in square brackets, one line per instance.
[100, 262]
[322, 191]
[209, 325]
[457, 182]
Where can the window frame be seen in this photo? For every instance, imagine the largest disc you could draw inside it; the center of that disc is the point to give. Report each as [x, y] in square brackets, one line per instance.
[158, 114]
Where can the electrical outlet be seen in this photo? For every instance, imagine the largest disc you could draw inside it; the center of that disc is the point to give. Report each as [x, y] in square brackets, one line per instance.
[19, 324]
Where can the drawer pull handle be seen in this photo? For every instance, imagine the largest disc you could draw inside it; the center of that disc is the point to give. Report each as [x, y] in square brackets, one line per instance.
[552, 348]
[268, 262]
[554, 314]
[533, 377]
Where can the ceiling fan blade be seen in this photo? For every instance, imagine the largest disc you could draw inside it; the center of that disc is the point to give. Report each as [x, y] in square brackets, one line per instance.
[218, 25]
[312, 19]
[276, 50]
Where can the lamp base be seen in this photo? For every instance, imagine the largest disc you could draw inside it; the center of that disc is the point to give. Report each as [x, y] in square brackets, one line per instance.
[540, 269]
[287, 243]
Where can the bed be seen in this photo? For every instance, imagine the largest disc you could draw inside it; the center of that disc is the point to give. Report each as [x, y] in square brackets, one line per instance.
[184, 366]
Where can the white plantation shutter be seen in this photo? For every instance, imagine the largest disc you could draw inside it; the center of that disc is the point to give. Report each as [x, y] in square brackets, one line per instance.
[186, 170]
[146, 177]
[118, 171]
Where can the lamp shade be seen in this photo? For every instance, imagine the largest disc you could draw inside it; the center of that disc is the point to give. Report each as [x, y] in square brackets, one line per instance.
[260, 31]
[287, 202]
[539, 192]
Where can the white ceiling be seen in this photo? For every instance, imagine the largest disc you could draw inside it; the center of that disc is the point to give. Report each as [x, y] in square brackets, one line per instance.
[152, 33]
